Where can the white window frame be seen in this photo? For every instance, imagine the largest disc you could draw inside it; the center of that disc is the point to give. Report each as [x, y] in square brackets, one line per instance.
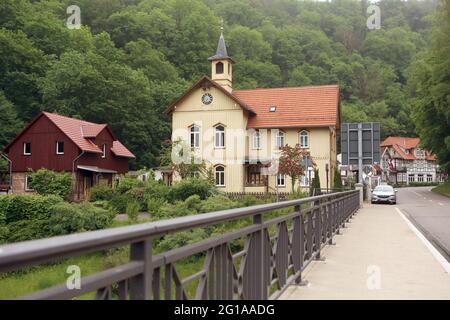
[219, 176]
[25, 153]
[281, 180]
[303, 135]
[280, 136]
[104, 151]
[27, 177]
[194, 136]
[219, 137]
[256, 141]
[420, 178]
[57, 147]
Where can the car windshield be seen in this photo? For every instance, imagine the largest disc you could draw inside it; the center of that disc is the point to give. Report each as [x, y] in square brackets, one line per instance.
[384, 188]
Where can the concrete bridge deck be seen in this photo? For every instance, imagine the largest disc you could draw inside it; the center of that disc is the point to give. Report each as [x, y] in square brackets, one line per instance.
[381, 255]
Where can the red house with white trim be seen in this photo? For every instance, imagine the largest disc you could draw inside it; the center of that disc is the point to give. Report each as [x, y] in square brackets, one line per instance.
[90, 151]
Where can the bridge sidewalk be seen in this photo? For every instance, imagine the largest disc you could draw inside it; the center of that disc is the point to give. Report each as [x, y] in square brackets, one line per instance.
[379, 256]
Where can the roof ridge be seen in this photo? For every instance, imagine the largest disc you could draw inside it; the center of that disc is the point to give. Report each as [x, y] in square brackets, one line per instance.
[70, 118]
[297, 87]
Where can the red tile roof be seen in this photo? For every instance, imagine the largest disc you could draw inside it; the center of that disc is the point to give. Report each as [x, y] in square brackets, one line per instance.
[295, 107]
[400, 143]
[73, 128]
[91, 131]
[80, 132]
[405, 142]
[121, 151]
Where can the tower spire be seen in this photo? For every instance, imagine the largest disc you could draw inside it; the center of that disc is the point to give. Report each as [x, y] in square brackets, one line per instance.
[221, 64]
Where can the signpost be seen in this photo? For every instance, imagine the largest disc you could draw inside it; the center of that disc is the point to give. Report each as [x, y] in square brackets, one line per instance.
[360, 145]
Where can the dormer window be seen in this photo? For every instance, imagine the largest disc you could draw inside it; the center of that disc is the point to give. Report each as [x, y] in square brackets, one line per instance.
[219, 68]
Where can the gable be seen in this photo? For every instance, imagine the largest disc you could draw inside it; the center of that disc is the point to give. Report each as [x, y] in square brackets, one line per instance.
[193, 101]
[205, 84]
[38, 126]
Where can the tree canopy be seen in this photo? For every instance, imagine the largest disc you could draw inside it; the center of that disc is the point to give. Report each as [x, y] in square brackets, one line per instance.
[131, 58]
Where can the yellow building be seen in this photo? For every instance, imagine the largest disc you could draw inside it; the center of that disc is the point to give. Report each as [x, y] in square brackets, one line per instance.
[239, 133]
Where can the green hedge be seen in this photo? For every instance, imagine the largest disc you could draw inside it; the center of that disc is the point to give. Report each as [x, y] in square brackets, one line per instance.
[29, 217]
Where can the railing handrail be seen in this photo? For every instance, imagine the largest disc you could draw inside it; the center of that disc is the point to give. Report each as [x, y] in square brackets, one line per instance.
[44, 250]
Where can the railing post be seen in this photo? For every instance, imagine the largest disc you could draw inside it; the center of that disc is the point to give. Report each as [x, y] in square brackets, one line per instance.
[141, 285]
[318, 229]
[360, 187]
[259, 285]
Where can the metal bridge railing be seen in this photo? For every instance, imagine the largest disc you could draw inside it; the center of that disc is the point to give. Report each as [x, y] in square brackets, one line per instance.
[263, 267]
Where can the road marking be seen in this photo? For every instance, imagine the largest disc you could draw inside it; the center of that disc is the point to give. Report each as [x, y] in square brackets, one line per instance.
[441, 204]
[416, 193]
[436, 254]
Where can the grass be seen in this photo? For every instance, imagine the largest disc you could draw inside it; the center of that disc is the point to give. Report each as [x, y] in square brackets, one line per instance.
[443, 189]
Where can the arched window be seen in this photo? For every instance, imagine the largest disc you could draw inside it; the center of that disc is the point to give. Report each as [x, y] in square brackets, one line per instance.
[219, 67]
[220, 137]
[195, 136]
[257, 140]
[304, 139]
[220, 176]
[279, 139]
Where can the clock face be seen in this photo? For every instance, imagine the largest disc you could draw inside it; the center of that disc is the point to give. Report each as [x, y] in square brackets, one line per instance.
[207, 98]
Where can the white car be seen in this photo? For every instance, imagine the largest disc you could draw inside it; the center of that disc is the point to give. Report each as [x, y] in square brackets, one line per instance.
[384, 194]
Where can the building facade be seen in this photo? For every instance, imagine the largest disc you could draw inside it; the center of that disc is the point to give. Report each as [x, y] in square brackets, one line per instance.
[238, 133]
[403, 161]
[89, 151]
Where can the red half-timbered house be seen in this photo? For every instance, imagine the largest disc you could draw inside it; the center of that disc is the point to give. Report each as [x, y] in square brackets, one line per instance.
[89, 151]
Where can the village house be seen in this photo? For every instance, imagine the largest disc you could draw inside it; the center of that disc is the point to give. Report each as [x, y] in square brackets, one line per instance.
[403, 161]
[238, 133]
[89, 151]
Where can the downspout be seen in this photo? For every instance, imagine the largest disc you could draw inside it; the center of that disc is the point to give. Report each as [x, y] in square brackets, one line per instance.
[10, 169]
[73, 168]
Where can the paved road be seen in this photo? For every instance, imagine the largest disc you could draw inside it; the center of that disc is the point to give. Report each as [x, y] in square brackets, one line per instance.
[430, 212]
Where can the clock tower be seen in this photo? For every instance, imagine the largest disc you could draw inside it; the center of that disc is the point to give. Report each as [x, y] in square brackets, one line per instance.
[222, 66]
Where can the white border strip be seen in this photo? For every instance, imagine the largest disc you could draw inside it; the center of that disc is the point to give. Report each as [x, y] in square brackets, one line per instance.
[436, 254]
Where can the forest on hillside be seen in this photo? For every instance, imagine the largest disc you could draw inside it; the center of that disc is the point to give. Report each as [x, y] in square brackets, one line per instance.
[131, 58]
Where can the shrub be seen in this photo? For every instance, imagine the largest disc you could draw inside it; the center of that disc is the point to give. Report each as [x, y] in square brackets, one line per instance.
[119, 202]
[155, 204]
[180, 239]
[27, 207]
[249, 200]
[315, 184]
[192, 186]
[27, 230]
[128, 183]
[47, 182]
[178, 209]
[94, 218]
[218, 203]
[337, 184]
[157, 190]
[137, 194]
[132, 210]
[101, 193]
[65, 218]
